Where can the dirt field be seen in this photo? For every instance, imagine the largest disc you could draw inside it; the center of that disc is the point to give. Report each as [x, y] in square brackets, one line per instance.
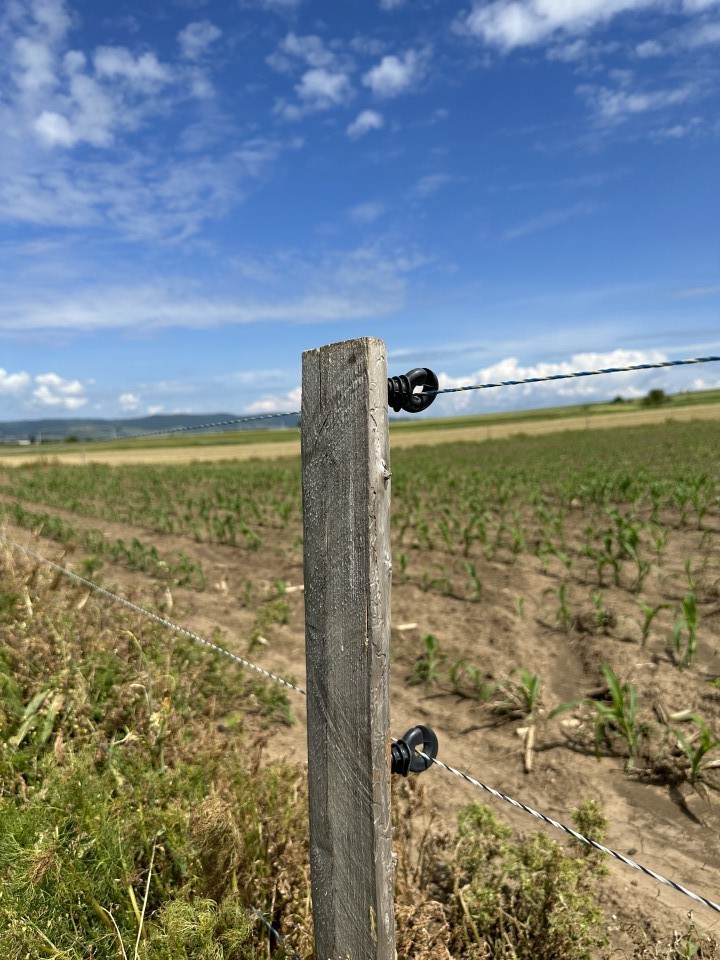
[401, 438]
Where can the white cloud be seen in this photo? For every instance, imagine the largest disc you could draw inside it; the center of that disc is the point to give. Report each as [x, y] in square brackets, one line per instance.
[325, 84]
[155, 409]
[515, 23]
[143, 70]
[319, 89]
[391, 4]
[649, 48]
[704, 35]
[396, 75]
[288, 402]
[365, 121]
[55, 129]
[309, 48]
[366, 212]
[617, 105]
[197, 38]
[13, 382]
[581, 390]
[322, 88]
[129, 401]
[54, 391]
[699, 6]
[35, 65]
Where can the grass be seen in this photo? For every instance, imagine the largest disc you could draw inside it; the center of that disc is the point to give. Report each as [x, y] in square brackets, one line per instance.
[135, 820]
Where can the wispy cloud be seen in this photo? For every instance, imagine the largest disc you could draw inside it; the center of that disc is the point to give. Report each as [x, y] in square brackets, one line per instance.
[692, 292]
[196, 38]
[364, 282]
[617, 104]
[366, 212]
[430, 184]
[551, 218]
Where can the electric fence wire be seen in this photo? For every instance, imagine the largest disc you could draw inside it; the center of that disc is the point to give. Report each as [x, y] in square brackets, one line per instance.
[704, 901]
[136, 608]
[571, 376]
[270, 927]
[169, 431]
[573, 833]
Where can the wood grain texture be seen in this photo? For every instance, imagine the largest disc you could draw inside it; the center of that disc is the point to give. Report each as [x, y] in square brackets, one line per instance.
[346, 510]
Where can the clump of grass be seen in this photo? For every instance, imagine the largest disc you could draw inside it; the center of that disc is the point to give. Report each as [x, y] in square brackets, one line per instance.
[128, 800]
[526, 898]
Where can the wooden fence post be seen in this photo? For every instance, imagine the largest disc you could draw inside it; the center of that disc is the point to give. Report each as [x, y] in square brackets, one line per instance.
[346, 511]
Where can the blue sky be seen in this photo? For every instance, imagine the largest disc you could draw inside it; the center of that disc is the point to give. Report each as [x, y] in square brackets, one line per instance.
[193, 192]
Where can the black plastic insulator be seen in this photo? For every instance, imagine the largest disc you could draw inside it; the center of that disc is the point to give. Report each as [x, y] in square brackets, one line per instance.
[400, 390]
[404, 759]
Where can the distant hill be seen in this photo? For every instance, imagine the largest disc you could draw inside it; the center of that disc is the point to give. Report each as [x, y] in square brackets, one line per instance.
[89, 429]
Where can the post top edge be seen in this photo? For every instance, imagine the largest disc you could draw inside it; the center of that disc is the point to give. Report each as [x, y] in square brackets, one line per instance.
[360, 342]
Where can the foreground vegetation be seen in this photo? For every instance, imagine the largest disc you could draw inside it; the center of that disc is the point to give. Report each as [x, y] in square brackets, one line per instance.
[137, 818]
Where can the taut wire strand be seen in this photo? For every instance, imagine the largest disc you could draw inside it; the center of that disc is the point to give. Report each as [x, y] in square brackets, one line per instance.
[573, 833]
[152, 616]
[570, 376]
[197, 426]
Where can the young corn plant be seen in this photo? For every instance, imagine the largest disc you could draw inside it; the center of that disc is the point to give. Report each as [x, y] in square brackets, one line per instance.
[697, 747]
[684, 635]
[468, 680]
[618, 718]
[604, 618]
[428, 667]
[563, 617]
[649, 614]
[475, 592]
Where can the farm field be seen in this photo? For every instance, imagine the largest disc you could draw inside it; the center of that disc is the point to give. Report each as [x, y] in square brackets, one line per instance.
[556, 614]
[269, 444]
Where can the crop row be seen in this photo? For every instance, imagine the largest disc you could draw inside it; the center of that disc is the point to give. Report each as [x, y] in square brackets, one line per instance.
[178, 567]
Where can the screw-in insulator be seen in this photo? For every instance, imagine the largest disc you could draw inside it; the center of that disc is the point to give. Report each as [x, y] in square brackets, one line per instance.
[400, 390]
[404, 759]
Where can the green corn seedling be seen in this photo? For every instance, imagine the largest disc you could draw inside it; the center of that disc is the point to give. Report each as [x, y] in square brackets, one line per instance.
[649, 614]
[697, 748]
[684, 635]
[428, 667]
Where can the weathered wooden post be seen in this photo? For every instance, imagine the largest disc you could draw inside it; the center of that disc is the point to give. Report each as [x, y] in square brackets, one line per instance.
[346, 506]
